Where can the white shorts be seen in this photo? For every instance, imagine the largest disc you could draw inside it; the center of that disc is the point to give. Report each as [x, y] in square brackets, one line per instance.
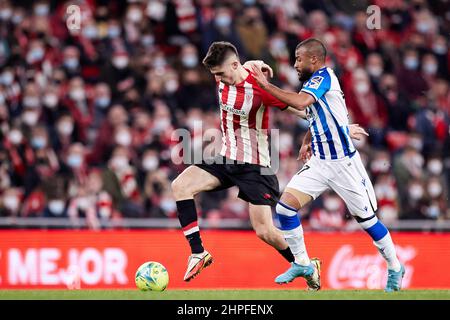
[347, 177]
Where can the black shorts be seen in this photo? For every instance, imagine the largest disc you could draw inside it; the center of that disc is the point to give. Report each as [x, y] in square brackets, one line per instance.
[254, 187]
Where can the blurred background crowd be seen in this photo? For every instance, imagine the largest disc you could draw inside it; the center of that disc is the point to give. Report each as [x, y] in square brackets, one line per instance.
[87, 115]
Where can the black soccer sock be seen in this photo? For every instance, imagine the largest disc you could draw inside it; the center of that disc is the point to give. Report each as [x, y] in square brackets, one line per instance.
[187, 214]
[287, 254]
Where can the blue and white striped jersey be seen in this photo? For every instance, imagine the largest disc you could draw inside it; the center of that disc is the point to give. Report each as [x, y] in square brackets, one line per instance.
[328, 116]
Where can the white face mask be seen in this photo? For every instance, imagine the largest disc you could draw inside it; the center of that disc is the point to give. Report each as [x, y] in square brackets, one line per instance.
[430, 68]
[15, 136]
[120, 62]
[123, 139]
[11, 202]
[171, 85]
[375, 71]
[30, 118]
[435, 166]
[50, 100]
[150, 163]
[77, 94]
[434, 189]
[134, 15]
[120, 162]
[56, 206]
[65, 128]
[156, 10]
[362, 87]
[416, 192]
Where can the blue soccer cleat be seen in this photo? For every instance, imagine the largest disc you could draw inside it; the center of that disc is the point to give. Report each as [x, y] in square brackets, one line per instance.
[311, 273]
[394, 280]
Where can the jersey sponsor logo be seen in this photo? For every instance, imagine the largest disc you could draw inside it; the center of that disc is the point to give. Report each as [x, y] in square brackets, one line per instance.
[314, 82]
[239, 112]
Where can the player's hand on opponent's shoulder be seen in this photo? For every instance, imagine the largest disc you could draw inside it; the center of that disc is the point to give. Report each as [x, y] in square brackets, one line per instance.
[259, 76]
[265, 68]
[356, 132]
[305, 152]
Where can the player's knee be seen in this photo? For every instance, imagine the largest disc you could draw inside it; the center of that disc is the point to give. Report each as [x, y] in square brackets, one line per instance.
[180, 188]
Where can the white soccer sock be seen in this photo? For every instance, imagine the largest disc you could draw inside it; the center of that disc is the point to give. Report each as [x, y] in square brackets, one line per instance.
[293, 233]
[383, 241]
[387, 249]
[296, 242]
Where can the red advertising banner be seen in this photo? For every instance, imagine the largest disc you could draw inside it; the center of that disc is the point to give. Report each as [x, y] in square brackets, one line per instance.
[109, 259]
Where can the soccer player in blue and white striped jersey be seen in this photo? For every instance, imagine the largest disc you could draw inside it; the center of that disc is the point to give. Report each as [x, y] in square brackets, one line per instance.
[335, 164]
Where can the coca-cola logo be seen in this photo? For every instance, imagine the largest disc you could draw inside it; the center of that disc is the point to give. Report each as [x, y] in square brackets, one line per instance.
[350, 270]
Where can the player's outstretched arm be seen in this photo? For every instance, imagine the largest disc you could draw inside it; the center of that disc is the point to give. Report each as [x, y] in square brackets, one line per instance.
[296, 100]
[356, 132]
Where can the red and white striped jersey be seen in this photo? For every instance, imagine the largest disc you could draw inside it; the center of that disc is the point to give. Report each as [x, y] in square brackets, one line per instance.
[245, 121]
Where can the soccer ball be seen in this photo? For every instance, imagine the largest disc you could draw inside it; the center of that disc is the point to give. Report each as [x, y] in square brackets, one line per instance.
[151, 276]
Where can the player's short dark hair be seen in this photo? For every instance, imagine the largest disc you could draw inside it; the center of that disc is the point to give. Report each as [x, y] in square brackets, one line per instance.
[314, 47]
[218, 52]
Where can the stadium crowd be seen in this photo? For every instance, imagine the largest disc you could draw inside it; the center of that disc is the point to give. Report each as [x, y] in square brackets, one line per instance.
[87, 114]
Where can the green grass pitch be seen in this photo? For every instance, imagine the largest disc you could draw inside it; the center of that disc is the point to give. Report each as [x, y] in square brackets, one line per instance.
[223, 295]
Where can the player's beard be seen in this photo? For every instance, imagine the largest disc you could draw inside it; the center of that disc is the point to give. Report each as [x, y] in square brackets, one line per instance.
[304, 75]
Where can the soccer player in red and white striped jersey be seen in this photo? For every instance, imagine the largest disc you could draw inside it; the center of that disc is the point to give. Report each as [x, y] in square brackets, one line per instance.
[244, 112]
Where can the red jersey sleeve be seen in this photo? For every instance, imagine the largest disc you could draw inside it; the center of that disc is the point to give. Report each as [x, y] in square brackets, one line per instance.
[271, 101]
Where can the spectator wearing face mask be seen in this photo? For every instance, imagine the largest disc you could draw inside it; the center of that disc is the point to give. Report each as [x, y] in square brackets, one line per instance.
[120, 181]
[66, 133]
[429, 68]
[159, 201]
[410, 79]
[375, 68]
[387, 196]
[118, 74]
[437, 198]
[222, 28]
[71, 61]
[397, 104]
[415, 205]
[407, 166]
[102, 102]
[20, 154]
[80, 105]
[117, 116]
[365, 106]
[11, 202]
[45, 161]
[74, 169]
[253, 32]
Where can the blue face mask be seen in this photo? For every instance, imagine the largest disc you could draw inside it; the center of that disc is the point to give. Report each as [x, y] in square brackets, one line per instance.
[189, 61]
[38, 142]
[71, 63]
[223, 21]
[102, 102]
[411, 63]
[74, 161]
